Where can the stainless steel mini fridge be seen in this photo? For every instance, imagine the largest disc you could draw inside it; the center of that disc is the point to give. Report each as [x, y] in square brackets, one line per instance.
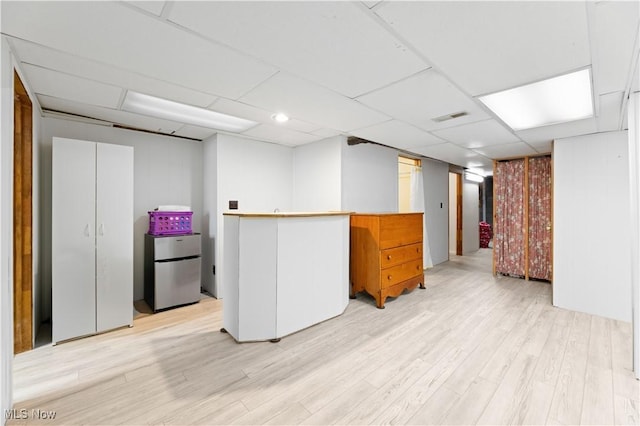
[171, 270]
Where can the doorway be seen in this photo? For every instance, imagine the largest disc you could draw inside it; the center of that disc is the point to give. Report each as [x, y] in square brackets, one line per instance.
[22, 219]
[455, 214]
[407, 169]
[523, 217]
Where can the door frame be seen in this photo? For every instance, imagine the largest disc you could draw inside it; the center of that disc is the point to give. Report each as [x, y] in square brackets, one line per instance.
[22, 218]
[458, 207]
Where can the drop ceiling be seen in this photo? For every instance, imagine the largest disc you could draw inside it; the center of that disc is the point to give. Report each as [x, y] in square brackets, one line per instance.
[378, 70]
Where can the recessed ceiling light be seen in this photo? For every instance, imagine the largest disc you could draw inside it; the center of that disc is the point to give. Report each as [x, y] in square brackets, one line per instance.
[182, 113]
[552, 101]
[280, 117]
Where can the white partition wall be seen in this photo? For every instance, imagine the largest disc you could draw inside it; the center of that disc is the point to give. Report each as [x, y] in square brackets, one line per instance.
[317, 175]
[6, 222]
[634, 186]
[369, 178]
[591, 261]
[470, 217]
[436, 208]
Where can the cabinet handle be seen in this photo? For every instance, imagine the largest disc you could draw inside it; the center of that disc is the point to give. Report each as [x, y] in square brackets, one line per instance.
[101, 229]
[388, 257]
[86, 230]
[418, 267]
[389, 277]
[417, 250]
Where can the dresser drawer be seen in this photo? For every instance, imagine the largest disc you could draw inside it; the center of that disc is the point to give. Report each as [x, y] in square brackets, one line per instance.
[398, 255]
[400, 230]
[397, 274]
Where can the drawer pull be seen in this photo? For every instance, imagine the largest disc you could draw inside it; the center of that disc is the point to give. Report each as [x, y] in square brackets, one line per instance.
[388, 257]
[418, 267]
[418, 250]
[389, 277]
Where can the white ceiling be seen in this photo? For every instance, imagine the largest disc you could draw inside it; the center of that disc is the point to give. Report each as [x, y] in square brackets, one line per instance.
[378, 70]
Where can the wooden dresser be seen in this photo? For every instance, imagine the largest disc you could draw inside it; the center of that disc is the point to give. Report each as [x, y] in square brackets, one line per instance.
[386, 254]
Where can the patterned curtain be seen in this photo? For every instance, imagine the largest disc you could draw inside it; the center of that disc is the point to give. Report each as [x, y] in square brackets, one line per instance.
[508, 237]
[540, 218]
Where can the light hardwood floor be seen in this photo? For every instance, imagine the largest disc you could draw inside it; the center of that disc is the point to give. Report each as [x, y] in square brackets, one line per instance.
[470, 349]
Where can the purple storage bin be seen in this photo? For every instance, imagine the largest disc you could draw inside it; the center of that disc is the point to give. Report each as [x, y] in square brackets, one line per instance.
[170, 223]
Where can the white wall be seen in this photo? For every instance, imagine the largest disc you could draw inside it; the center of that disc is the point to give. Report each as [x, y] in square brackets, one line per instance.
[369, 178]
[167, 170]
[634, 231]
[256, 174]
[209, 210]
[317, 176]
[6, 235]
[453, 214]
[435, 175]
[470, 217]
[591, 262]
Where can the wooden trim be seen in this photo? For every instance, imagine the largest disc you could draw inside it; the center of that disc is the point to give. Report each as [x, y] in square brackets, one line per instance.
[525, 225]
[495, 166]
[458, 214]
[22, 219]
[551, 220]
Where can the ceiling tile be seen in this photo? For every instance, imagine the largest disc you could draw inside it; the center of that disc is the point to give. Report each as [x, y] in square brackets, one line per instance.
[422, 97]
[614, 26]
[609, 115]
[250, 112]
[476, 135]
[309, 102]
[489, 46]
[277, 134]
[397, 134]
[109, 115]
[53, 59]
[556, 131]
[314, 40]
[542, 147]
[325, 133]
[52, 83]
[372, 3]
[154, 7]
[452, 154]
[110, 33]
[635, 80]
[517, 149]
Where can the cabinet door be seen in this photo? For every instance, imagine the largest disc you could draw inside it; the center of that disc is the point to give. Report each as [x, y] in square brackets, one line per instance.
[177, 283]
[73, 238]
[114, 236]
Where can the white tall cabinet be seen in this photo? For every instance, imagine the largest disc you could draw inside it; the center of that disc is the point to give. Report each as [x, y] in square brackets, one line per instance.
[92, 238]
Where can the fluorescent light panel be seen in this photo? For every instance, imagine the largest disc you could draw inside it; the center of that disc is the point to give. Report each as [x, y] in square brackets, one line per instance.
[556, 100]
[473, 177]
[162, 108]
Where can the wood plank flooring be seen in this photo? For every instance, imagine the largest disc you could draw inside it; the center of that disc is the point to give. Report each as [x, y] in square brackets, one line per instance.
[470, 349]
